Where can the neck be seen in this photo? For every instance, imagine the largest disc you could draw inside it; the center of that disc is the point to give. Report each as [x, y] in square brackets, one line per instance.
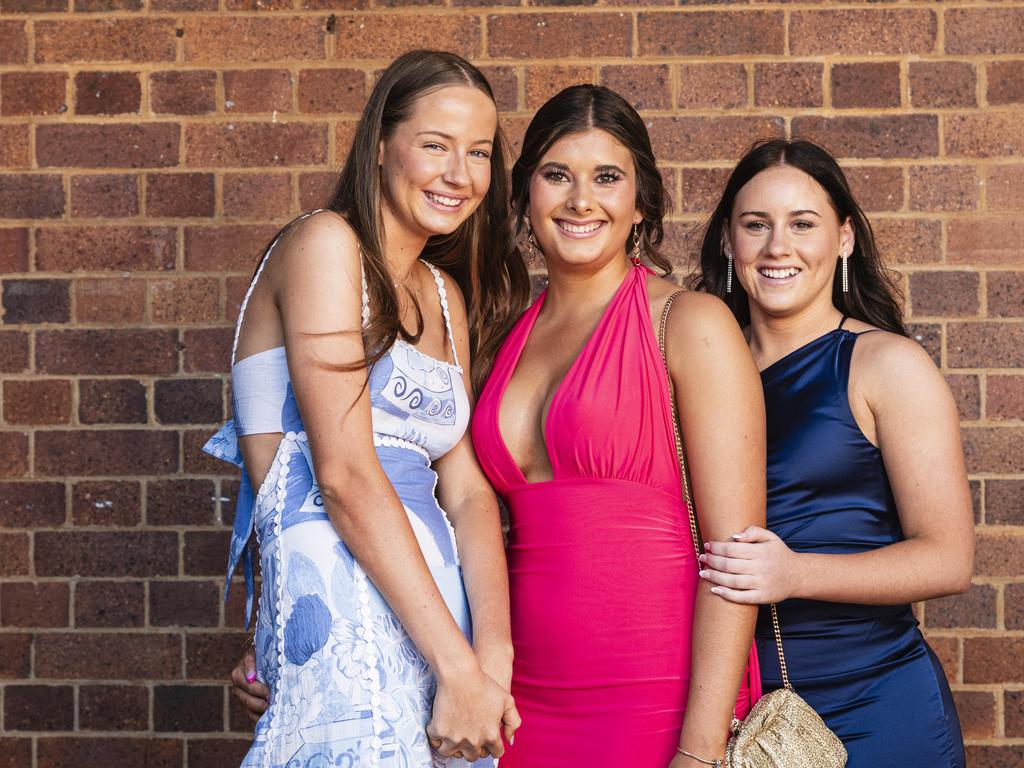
[402, 247]
[772, 336]
[581, 290]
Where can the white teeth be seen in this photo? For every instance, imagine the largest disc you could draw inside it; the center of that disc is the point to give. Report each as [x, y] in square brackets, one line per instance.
[577, 229]
[451, 202]
[778, 274]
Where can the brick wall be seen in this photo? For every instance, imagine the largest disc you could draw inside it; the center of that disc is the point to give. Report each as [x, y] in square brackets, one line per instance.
[149, 147]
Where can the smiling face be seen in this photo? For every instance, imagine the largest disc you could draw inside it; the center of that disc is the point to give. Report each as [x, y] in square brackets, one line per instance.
[582, 200]
[436, 167]
[786, 239]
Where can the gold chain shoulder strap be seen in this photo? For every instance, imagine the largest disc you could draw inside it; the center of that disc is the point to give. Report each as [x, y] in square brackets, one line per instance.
[684, 473]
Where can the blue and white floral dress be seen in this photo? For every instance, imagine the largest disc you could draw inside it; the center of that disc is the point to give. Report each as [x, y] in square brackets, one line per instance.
[348, 687]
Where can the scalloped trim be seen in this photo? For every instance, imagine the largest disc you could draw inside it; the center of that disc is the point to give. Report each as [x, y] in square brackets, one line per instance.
[443, 293]
[390, 441]
[371, 682]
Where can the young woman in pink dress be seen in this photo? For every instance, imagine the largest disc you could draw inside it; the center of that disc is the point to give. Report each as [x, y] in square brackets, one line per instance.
[621, 659]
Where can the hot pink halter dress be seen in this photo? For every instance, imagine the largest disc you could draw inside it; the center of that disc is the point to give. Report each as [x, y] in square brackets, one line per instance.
[601, 564]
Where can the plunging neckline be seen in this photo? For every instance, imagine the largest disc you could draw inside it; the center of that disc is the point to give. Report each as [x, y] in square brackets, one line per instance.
[530, 318]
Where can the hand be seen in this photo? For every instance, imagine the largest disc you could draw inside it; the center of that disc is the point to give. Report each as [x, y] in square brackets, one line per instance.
[470, 712]
[496, 662]
[254, 695]
[756, 567]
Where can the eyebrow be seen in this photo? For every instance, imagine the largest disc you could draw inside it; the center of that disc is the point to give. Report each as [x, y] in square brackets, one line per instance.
[449, 137]
[599, 169]
[764, 215]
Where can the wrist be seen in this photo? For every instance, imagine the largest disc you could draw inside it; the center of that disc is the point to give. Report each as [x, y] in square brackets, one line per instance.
[453, 662]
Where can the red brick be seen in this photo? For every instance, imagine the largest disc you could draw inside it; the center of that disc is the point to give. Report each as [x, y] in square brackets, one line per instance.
[114, 300]
[698, 138]
[15, 753]
[191, 92]
[331, 90]
[119, 248]
[184, 604]
[993, 449]
[92, 752]
[15, 658]
[101, 6]
[246, 145]
[110, 604]
[106, 452]
[1005, 397]
[31, 505]
[107, 93]
[189, 401]
[505, 86]
[797, 84]
[209, 656]
[992, 134]
[884, 137]
[1005, 294]
[106, 553]
[545, 80]
[709, 33]
[181, 502]
[33, 93]
[1004, 505]
[643, 86]
[222, 40]
[386, 35]
[180, 195]
[861, 32]
[39, 708]
[213, 753]
[113, 708]
[13, 454]
[106, 352]
[977, 711]
[966, 389]
[909, 241]
[985, 30]
[188, 300]
[1013, 596]
[999, 555]
[112, 401]
[14, 561]
[1013, 713]
[943, 188]
[866, 84]
[13, 42]
[192, 708]
[36, 301]
[701, 189]
[24, 604]
[34, 6]
[974, 608]
[39, 196]
[345, 131]
[14, 250]
[183, 5]
[106, 502]
[985, 241]
[515, 36]
[208, 350]
[258, 90]
[258, 5]
[1004, 192]
[102, 40]
[993, 659]
[259, 195]
[711, 86]
[205, 552]
[234, 248]
[37, 402]
[106, 195]
[152, 145]
[942, 84]
[14, 148]
[944, 293]
[1005, 82]
[876, 187]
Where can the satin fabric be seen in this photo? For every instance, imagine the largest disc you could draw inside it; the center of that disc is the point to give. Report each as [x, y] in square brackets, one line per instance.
[602, 571]
[866, 669]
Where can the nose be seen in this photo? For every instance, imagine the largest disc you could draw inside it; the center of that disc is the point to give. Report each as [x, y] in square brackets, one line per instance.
[579, 198]
[457, 172]
[778, 245]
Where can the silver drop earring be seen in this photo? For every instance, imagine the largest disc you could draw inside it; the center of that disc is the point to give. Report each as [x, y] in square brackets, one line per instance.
[846, 273]
[728, 271]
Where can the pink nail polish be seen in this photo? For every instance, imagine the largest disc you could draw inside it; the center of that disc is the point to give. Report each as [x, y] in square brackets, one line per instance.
[250, 677]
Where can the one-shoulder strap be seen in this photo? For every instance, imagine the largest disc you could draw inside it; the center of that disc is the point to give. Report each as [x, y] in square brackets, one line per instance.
[444, 307]
[259, 271]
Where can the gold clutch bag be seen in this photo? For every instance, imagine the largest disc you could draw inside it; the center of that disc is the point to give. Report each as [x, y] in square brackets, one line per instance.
[782, 730]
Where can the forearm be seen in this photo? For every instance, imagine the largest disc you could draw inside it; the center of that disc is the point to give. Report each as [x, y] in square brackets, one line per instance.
[905, 572]
[722, 636]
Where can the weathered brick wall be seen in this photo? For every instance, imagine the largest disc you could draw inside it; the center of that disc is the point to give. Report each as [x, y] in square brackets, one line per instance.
[149, 147]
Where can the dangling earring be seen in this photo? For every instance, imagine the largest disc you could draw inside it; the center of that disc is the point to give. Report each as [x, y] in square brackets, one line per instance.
[531, 241]
[728, 271]
[846, 274]
[636, 245]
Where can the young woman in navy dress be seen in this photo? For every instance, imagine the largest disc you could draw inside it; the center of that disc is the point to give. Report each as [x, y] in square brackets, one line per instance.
[868, 503]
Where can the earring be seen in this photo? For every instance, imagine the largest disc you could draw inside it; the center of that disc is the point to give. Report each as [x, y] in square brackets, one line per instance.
[728, 271]
[636, 245]
[531, 241]
[846, 274]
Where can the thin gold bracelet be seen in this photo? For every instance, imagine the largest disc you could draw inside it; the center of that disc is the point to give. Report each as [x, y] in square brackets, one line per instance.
[713, 763]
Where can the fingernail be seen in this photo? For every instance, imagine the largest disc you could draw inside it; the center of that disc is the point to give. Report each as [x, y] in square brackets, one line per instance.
[250, 677]
[716, 590]
[703, 558]
[739, 535]
[512, 739]
[703, 575]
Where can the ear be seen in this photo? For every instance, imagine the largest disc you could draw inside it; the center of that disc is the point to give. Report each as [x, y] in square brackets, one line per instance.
[637, 216]
[847, 237]
[726, 238]
[380, 153]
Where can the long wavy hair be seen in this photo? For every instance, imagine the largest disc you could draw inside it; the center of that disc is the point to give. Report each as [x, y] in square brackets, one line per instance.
[874, 296]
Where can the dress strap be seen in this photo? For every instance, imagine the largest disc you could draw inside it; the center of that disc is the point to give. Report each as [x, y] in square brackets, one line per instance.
[444, 307]
[842, 322]
[365, 296]
[256, 277]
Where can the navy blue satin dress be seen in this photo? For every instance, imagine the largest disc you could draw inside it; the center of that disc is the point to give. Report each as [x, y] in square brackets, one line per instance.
[866, 669]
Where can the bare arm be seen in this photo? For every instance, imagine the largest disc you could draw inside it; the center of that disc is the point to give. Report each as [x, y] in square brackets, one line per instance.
[907, 405]
[721, 409]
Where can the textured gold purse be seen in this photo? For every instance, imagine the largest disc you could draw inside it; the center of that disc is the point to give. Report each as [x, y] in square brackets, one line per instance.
[782, 730]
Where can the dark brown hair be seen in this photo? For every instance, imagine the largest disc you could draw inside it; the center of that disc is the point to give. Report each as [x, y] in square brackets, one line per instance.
[874, 296]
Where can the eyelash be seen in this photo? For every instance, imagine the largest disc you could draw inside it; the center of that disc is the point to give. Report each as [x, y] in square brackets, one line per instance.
[479, 153]
[758, 225]
[602, 178]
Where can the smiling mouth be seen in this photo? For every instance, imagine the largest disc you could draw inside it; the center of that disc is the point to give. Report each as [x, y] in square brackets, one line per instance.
[447, 203]
[583, 229]
[778, 273]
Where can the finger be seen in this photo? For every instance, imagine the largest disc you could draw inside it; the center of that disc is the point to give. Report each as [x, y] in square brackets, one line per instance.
[434, 743]
[753, 533]
[511, 721]
[249, 663]
[253, 704]
[493, 745]
[725, 564]
[742, 596]
[731, 580]
[737, 550]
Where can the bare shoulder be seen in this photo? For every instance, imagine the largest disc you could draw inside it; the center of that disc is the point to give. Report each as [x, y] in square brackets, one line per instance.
[695, 314]
[323, 239]
[890, 368]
